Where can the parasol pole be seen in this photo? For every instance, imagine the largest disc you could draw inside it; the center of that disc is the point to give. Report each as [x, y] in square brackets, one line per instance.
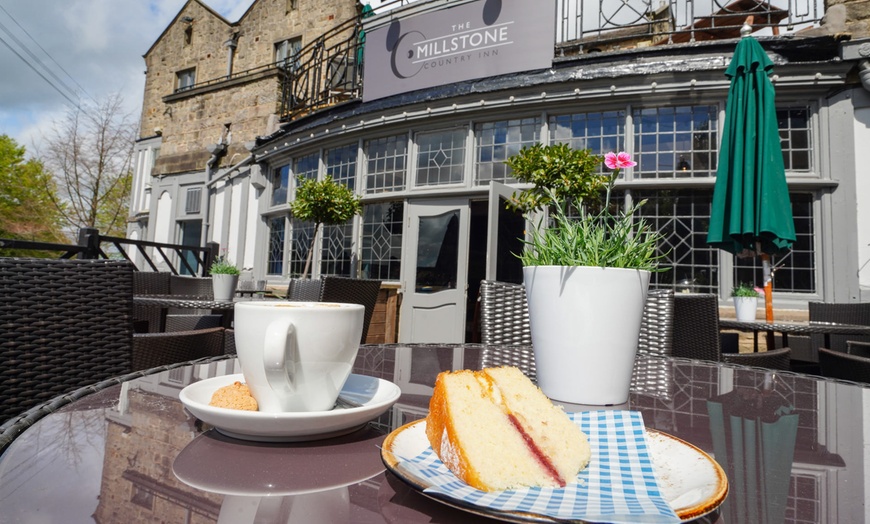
[767, 275]
[768, 287]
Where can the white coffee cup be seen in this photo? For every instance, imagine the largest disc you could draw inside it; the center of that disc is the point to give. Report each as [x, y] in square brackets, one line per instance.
[296, 356]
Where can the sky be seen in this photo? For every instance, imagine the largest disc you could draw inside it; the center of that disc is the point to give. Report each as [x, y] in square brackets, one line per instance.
[86, 49]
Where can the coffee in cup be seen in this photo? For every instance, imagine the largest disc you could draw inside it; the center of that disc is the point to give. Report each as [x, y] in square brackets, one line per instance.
[296, 356]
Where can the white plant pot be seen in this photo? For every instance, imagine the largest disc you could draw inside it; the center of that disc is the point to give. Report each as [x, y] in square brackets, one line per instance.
[745, 308]
[224, 286]
[585, 323]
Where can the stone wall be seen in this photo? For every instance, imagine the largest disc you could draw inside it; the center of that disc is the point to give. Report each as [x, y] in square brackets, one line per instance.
[231, 111]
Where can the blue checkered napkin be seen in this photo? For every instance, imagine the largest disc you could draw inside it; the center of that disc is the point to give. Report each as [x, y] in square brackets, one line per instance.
[618, 486]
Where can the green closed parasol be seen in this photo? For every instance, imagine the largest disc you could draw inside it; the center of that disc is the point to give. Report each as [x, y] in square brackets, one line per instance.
[751, 211]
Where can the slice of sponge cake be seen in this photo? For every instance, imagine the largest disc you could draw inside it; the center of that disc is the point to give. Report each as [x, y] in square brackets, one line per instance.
[496, 430]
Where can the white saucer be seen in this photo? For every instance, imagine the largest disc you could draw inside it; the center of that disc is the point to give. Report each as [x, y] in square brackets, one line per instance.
[375, 396]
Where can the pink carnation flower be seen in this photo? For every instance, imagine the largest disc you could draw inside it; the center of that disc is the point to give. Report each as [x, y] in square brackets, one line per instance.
[618, 160]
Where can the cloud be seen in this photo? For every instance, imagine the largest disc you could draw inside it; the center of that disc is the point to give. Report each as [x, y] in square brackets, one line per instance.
[89, 49]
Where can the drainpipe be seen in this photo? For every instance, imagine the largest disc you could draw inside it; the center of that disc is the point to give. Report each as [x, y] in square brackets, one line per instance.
[216, 151]
[231, 45]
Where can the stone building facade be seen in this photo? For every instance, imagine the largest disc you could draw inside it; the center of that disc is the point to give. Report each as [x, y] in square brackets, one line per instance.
[444, 145]
[212, 86]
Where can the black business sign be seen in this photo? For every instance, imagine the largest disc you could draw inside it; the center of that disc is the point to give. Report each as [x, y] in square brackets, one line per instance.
[468, 41]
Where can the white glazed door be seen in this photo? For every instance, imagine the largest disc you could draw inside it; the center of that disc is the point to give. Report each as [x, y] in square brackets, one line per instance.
[435, 272]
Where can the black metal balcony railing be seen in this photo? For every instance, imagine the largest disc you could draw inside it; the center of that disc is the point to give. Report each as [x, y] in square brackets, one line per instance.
[329, 69]
[92, 245]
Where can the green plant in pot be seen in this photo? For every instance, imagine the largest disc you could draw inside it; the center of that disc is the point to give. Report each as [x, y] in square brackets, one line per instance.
[324, 202]
[746, 301]
[224, 278]
[586, 275]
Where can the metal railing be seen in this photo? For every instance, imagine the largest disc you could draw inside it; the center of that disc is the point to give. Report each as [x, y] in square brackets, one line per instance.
[92, 245]
[325, 72]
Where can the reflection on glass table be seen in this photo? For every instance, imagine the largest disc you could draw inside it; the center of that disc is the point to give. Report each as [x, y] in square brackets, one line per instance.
[131, 453]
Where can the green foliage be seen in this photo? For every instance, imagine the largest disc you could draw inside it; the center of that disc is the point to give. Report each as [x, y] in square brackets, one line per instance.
[564, 179]
[594, 239]
[558, 173]
[27, 200]
[324, 202]
[222, 266]
[744, 290]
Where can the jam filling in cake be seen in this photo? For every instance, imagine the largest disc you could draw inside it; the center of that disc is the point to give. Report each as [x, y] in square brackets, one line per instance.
[495, 430]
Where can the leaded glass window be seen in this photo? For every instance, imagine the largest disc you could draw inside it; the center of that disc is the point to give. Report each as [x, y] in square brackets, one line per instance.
[495, 142]
[794, 134]
[341, 164]
[675, 142]
[306, 166]
[303, 237]
[599, 131]
[441, 157]
[337, 250]
[382, 240]
[795, 272]
[280, 184]
[387, 163]
[275, 262]
[683, 217]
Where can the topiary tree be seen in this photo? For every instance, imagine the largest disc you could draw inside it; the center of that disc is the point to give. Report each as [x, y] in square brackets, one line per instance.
[324, 202]
[573, 175]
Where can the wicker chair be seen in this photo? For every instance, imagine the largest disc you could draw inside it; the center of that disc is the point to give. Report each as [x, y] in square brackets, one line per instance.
[176, 323]
[353, 291]
[160, 349]
[304, 290]
[696, 326]
[229, 342]
[64, 324]
[855, 347]
[835, 364]
[149, 283]
[772, 359]
[504, 317]
[842, 313]
[657, 324]
[504, 314]
[191, 286]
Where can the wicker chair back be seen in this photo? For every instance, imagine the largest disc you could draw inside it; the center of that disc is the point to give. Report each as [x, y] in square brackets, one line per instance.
[149, 283]
[353, 291]
[64, 324]
[835, 364]
[696, 326]
[772, 359]
[842, 313]
[160, 349]
[304, 290]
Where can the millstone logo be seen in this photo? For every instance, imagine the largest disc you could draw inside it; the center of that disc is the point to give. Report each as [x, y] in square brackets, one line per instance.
[472, 40]
[413, 52]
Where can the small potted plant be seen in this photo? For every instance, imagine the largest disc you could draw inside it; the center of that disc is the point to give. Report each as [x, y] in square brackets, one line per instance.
[746, 301]
[224, 278]
[586, 274]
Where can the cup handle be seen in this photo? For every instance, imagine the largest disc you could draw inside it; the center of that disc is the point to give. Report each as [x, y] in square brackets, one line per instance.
[280, 355]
